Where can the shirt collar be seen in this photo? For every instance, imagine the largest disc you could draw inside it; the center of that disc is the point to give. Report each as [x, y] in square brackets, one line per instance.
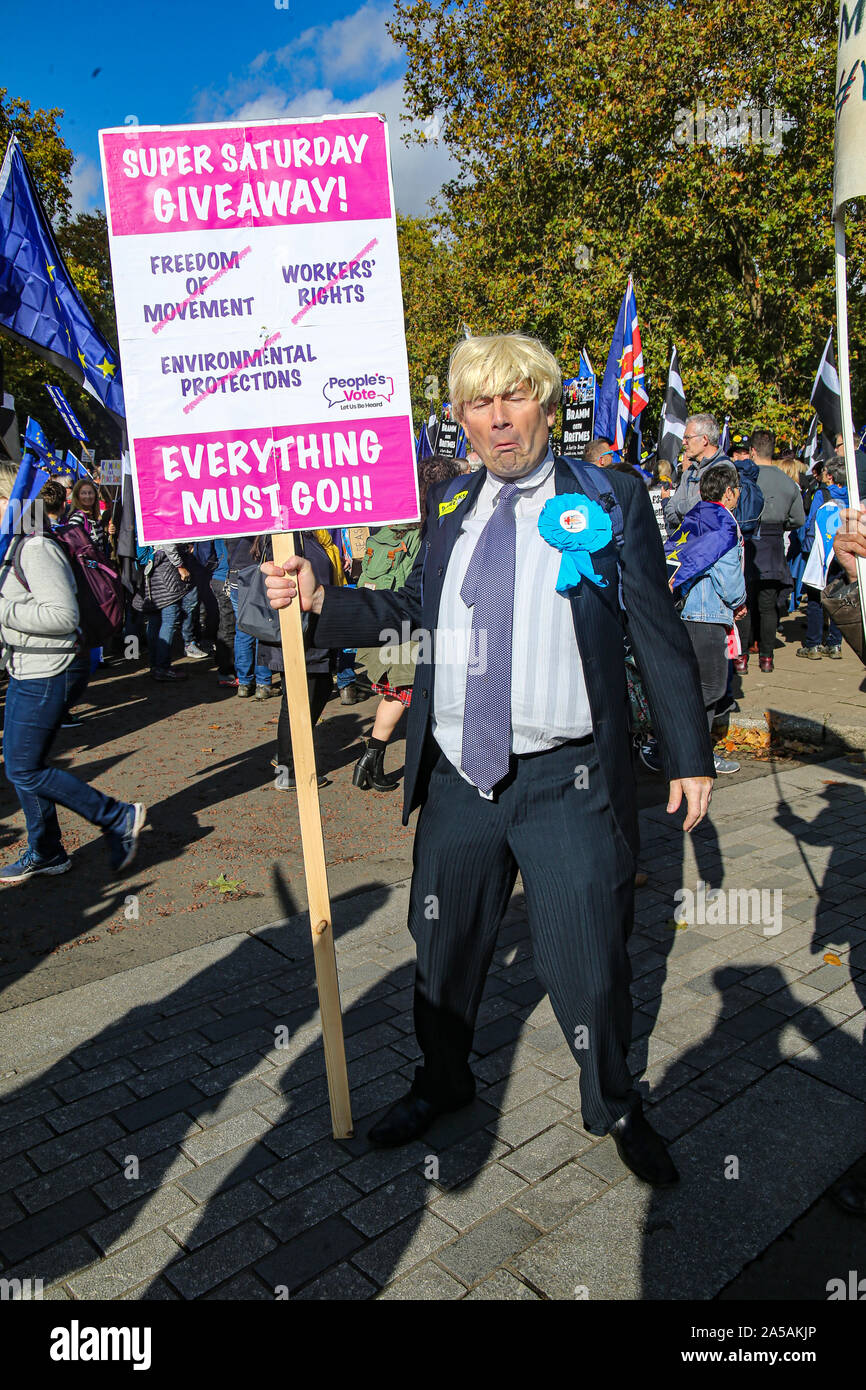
[539, 475]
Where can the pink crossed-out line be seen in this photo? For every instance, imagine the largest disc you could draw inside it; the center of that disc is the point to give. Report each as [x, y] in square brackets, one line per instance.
[190, 405]
[354, 261]
[236, 257]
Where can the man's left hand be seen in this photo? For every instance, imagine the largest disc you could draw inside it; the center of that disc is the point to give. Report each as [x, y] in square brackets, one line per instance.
[697, 791]
[850, 540]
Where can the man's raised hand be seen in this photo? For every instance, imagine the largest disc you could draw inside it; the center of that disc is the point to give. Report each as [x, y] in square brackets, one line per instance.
[283, 582]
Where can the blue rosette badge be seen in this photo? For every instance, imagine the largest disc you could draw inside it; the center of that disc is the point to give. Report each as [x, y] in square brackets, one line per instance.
[577, 525]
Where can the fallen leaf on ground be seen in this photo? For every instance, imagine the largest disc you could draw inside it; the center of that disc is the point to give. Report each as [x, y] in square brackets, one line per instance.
[225, 885]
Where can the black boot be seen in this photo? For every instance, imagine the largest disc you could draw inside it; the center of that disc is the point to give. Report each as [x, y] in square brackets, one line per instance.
[369, 771]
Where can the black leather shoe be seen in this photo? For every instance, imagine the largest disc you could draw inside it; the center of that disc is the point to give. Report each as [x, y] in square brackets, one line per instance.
[407, 1119]
[644, 1151]
[370, 771]
[349, 694]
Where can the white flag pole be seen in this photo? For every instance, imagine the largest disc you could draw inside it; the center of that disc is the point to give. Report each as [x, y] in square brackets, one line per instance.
[849, 182]
[845, 388]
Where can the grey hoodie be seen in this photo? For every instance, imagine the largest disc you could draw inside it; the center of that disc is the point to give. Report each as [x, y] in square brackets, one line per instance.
[38, 629]
[688, 494]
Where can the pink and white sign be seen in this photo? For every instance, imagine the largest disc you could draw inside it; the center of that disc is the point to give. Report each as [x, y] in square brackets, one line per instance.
[260, 316]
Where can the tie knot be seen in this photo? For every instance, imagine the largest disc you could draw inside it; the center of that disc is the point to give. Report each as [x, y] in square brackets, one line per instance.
[509, 492]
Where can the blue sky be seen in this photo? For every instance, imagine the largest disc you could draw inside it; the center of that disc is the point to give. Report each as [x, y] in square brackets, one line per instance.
[172, 61]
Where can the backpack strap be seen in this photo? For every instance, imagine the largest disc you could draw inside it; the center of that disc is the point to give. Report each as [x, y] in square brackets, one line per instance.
[594, 483]
[13, 559]
[596, 486]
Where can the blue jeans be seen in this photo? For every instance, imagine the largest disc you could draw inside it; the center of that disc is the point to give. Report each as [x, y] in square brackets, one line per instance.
[815, 623]
[34, 710]
[346, 668]
[246, 653]
[77, 678]
[161, 628]
[189, 608]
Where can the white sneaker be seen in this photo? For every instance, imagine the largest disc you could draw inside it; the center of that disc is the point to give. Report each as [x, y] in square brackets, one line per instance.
[724, 765]
[195, 651]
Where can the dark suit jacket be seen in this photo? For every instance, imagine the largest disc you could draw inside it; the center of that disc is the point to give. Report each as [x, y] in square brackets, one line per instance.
[659, 640]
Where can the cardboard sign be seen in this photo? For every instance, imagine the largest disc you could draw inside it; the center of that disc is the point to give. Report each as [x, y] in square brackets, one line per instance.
[358, 536]
[110, 472]
[578, 410]
[260, 319]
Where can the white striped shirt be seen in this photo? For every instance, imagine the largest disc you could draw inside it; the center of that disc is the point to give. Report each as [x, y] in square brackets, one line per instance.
[549, 703]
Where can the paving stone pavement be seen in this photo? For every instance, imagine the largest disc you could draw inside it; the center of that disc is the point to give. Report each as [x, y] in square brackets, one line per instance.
[165, 1133]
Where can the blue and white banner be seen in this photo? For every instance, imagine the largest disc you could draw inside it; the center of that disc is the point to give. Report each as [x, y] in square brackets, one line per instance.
[67, 414]
[827, 521]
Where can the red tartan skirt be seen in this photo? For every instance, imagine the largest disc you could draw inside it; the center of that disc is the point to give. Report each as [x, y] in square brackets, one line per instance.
[403, 693]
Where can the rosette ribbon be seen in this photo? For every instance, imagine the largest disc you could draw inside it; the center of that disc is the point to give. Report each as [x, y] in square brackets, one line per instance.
[577, 525]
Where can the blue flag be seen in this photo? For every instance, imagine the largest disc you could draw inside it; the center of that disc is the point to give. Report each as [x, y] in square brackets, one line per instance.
[623, 392]
[422, 448]
[49, 460]
[39, 304]
[707, 533]
[16, 517]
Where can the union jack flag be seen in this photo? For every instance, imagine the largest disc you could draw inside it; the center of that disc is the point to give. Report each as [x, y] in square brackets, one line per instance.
[623, 393]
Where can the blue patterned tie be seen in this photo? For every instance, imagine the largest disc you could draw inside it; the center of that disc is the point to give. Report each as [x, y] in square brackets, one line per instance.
[488, 589]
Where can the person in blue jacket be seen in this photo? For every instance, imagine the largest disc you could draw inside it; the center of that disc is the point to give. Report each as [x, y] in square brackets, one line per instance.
[815, 643]
[717, 596]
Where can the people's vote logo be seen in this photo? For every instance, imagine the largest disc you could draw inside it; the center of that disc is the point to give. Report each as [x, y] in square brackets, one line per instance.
[349, 392]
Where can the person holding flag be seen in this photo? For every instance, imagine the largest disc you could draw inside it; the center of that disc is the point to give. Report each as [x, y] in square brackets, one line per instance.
[819, 531]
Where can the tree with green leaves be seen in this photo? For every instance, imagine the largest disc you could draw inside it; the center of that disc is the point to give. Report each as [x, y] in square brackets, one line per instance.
[691, 146]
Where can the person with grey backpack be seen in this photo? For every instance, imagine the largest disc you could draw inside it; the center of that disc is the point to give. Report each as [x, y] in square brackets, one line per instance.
[39, 633]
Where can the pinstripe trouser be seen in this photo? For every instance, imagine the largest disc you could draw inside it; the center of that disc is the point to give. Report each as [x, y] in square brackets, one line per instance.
[552, 820]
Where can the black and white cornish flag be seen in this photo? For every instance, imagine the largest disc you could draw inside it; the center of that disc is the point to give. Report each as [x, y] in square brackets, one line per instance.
[826, 396]
[672, 426]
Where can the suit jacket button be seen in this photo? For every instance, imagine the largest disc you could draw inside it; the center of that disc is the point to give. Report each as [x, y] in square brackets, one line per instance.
[440, 571]
[423, 694]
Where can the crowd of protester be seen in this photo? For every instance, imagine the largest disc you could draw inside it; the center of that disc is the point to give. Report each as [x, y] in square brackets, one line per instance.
[185, 599]
[733, 608]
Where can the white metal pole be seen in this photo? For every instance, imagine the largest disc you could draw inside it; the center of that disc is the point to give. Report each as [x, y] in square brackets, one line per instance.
[845, 388]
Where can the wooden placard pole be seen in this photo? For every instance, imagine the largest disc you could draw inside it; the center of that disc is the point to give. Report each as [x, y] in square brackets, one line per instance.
[313, 845]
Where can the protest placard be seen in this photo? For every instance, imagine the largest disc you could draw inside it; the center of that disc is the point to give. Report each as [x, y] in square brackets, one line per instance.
[260, 320]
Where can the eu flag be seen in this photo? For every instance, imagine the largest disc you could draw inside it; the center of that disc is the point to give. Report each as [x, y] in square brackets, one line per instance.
[623, 394]
[31, 475]
[39, 304]
[706, 533]
[422, 448]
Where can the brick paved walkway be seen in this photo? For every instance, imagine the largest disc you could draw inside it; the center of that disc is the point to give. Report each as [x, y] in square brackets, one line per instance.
[156, 1143]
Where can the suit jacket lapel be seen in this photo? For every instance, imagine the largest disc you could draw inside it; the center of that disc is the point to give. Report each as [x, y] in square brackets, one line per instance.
[447, 530]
